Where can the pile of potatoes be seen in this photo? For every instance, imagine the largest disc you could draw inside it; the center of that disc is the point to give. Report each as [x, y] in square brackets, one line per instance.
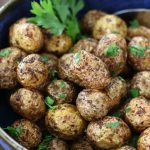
[87, 84]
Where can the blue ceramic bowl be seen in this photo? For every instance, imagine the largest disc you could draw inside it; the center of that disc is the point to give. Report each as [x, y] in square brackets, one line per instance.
[16, 9]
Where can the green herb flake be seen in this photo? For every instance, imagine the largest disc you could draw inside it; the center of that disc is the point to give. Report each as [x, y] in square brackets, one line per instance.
[45, 58]
[128, 109]
[62, 84]
[117, 114]
[61, 95]
[5, 52]
[133, 141]
[112, 124]
[137, 50]
[50, 102]
[134, 24]
[134, 92]
[77, 57]
[112, 50]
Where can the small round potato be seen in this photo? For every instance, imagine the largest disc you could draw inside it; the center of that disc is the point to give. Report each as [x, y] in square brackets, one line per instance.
[137, 113]
[115, 62]
[109, 133]
[26, 36]
[9, 59]
[141, 81]
[126, 147]
[87, 44]
[62, 91]
[139, 60]
[28, 103]
[92, 104]
[59, 44]
[65, 121]
[32, 71]
[109, 24]
[144, 140]
[90, 19]
[30, 135]
[84, 69]
[57, 144]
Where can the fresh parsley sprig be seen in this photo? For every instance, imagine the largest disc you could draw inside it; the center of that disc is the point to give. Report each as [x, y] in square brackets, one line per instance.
[134, 92]
[113, 125]
[137, 50]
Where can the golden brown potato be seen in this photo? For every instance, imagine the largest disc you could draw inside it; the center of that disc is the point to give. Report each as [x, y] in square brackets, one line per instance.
[62, 91]
[126, 147]
[115, 60]
[65, 121]
[87, 44]
[9, 59]
[26, 36]
[84, 69]
[30, 135]
[139, 53]
[59, 44]
[109, 133]
[92, 104]
[109, 24]
[137, 113]
[32, 71]
[144, 140]
[28, 103]
[90, 18]
[141, 81]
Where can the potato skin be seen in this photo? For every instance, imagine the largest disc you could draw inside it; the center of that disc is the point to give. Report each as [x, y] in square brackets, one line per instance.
[143, 141]
[92, 104]
[137, 113]
[31, 134]
[26, 36]
[89, 20]
[126, 147]
[58, 87]
[89, 71]
[117, 63]
[140, 63]
[107, 137]
[28, 103]
[65, 121]
[32, 72]
[109, 24]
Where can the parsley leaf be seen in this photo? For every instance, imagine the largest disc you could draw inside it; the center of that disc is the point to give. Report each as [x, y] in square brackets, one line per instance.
[134, 92]
[117, 114]
[61, 95]
[45, 58]
[112, 124]
[137, 50]
[134, 24]
[62, 84]
[112, 50]
[77, 57]
[5, 52]
[50, 102]
[128, 109]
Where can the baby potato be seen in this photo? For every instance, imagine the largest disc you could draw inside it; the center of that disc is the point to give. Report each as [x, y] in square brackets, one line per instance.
[144, 140]
[126, 147]
[59, 44]
[90, 18]
[84, 69]
[62, 91]
[92, 104]
[137, 113]
[88, 44]
[109, 133]
[65, 121]
[32, 71]
[26, 36]
[28, 103]
[141, 81]
[115, 61]
[139, 53]
[116, 90]
[9, 59]
[109, 24]
[30, 135]
[81, 144]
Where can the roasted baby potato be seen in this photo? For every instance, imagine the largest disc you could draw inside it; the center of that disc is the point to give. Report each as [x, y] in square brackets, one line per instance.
[108, 133]
[109, 24]
[32, 71]
[84, 69]
[112, 50]
[139, 53]
[62, 91]
[93, 104]
[65, 121]
[26, 36]
[137, 113]
[126, 147]
[28, 103]
[30, 134]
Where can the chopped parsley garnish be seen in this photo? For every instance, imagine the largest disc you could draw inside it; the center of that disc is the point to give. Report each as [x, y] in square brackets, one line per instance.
[137, 50]
[61, 95]
[49, 102]
[77, 57]
[134, 24]
[128, 109]
[5, 52]
[134, 92]
[117, 114]
[112, 124]
[45, 58]
[62, 84]
[133, 141]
